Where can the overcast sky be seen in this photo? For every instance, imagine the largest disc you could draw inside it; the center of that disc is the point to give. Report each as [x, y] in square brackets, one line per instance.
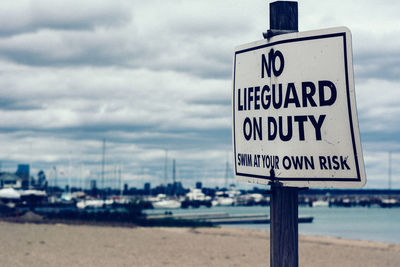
[151, 76]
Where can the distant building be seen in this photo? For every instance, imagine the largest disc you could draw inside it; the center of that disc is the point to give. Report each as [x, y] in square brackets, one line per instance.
[179, 189]
[126, 189]
[10, 180]
[175, 188]
[23, 170]
[41, 181]
[199, 185]
[147, 189]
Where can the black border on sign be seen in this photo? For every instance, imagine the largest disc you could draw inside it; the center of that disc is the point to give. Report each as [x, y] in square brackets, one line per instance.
[300, 39]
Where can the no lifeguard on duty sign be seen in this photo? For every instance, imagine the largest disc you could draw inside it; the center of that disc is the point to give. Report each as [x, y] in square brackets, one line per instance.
[294, 111]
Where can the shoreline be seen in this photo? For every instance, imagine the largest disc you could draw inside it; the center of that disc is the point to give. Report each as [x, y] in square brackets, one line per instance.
[310, 235]
[30, 244]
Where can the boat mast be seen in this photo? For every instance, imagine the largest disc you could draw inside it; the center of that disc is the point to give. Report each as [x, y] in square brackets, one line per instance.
[119, 180]
[390, 170]
[173, 171]
[227, 174]
[166, 167]
[173, 177]
[102, 164]
[69, 173]
[55, 177]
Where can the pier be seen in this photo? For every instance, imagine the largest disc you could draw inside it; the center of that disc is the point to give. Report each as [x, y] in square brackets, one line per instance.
[226, 218]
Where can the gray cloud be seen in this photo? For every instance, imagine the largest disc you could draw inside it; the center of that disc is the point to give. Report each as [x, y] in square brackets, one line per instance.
[31, 16]
[152, 39]
[378, 64]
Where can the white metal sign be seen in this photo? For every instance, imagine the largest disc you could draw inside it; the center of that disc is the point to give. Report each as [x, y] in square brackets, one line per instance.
[294, 111]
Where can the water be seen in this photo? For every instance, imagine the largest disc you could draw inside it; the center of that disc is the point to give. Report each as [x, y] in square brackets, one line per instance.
[375, 223]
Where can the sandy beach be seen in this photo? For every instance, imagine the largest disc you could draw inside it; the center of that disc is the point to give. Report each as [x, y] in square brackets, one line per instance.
[28, 244]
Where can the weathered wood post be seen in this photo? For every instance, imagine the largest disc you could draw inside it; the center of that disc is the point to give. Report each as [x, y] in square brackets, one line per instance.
[284, 226]
[284, 200]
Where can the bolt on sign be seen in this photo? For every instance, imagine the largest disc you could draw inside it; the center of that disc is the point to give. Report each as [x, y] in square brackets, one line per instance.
[294, 111]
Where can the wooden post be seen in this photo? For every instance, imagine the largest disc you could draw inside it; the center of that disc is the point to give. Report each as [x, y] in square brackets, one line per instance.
[284, 16]
[284, 226]
[284, 200]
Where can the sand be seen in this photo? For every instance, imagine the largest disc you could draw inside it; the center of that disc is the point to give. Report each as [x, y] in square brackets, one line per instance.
[70, 245]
